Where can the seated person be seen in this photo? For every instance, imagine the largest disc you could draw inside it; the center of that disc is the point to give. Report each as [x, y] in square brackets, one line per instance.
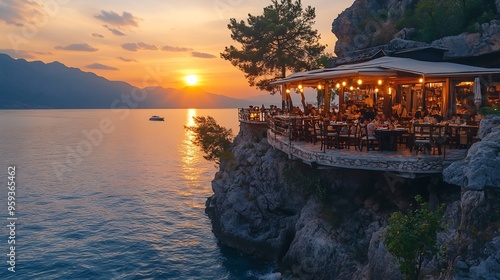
[370, 127]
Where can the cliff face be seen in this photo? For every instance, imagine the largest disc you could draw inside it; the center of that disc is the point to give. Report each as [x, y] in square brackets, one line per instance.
[329, 224]
[371, 23]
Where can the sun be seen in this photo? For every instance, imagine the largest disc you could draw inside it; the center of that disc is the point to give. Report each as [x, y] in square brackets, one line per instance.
[191, 80]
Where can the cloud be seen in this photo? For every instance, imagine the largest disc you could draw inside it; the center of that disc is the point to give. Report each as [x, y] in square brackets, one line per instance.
[18, 13]
[126, 19]
[97, 35]
[175, 49]
[42, 53]
[202, 55]
[100, 66]
[114, 31]
[126, 59]
[84, 47]
[139, 46]
[17, 53]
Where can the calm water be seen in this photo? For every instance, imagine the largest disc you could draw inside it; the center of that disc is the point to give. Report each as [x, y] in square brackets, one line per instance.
[111, 195]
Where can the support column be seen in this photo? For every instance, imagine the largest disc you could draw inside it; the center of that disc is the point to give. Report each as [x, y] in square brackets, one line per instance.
[327, 98]
[341, 98]
[445, 99]
[283, 97]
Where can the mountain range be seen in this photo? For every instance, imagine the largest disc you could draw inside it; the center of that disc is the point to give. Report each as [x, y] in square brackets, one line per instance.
[38, 85]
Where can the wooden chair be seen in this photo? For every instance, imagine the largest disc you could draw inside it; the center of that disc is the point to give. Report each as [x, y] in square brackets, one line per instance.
[298, 132]
[363, 137]
[349, 136]
[439, 138]
[422, 138]
[330, 134]
[318, 133]
[309, 130]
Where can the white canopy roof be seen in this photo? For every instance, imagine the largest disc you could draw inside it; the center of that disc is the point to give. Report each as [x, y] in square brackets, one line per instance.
[390, 66]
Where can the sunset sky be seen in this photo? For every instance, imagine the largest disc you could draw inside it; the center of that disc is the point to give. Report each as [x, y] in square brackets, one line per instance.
[144, 43]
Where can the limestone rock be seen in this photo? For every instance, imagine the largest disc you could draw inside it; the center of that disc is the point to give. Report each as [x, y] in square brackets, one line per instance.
[487, 40]
[371, 23]
[258, 210]
[481, 167]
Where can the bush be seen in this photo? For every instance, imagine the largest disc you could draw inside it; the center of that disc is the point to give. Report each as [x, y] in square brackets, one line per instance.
[412, 237]
[214, 140]
[495, 110]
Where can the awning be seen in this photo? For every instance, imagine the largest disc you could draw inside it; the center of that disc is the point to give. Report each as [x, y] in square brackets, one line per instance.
[388, 67]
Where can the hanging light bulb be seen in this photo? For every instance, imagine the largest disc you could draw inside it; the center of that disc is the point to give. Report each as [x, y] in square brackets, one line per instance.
[337, 85]
[421, 80]
[379, 82]
[343, 83]
[360, 81]
[300, 86]
[319, 86]
[287, 90]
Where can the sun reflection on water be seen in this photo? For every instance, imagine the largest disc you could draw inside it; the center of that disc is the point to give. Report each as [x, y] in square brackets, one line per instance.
[190, 154]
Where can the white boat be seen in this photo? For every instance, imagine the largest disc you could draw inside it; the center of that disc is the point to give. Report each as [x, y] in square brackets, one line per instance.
[156, 118]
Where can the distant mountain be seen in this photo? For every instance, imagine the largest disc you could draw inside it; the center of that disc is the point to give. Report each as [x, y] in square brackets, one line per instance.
[31, 85]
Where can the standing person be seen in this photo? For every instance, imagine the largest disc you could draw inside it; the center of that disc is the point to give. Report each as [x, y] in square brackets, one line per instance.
[401, 111]
[368, 100]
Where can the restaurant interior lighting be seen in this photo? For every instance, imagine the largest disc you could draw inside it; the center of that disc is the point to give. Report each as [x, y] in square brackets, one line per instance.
[319, 86]
[360, 81]
[421, 80]
[299, 86]
[376, 89]
[287, 90]
[343, 83]
[351, 88]
[337, 85]
[379, 82]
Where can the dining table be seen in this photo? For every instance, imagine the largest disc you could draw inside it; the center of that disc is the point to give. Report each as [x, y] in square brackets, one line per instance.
[388, 137]
[462, 134]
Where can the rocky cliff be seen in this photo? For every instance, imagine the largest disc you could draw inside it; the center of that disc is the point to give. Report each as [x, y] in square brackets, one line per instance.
[374, 23]
[329, 224]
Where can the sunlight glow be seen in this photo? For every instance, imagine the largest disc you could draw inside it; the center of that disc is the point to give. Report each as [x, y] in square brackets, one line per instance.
[191, 80]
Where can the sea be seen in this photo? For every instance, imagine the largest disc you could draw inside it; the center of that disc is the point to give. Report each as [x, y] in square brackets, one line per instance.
[108, 194]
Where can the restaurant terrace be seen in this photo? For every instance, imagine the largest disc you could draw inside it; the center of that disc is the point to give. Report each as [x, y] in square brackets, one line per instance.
[394, 114]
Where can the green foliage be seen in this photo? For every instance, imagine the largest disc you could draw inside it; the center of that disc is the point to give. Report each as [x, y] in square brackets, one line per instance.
[412, 237]
[214, 140]
[433, 19]
[280, 39]
[311, 183]
[495, 110]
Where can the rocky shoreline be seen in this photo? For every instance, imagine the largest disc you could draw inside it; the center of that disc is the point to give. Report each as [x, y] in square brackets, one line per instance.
[328, 224]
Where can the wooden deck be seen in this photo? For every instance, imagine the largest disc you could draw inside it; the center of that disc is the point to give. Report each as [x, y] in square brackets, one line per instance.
[401, 162]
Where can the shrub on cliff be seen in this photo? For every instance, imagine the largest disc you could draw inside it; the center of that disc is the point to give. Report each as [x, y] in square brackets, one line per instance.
[413, 237]
[495, 110]
[214, 140]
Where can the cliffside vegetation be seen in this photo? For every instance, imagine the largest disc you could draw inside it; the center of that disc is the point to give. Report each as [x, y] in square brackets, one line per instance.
[434, 19]
[214, 140]
[412, 237]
